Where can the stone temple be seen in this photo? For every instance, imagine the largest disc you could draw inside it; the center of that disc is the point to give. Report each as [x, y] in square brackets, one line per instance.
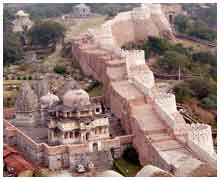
[74, 121]
[81, 11]
[27, 106]
[22, 21]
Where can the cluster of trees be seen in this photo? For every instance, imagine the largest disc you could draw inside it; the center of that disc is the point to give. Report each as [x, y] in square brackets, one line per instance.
[206, 12]
[42, 33]
[203, 64]
[194, 27]
[45, 32]
[12, 51]
[59, 69]
[202, 89]
[173, 56]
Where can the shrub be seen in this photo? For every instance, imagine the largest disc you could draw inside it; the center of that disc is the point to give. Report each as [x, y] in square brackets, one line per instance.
[172, 60]
[59, 69]
[45, 32]
[26, 173]
[131, 155]
[41, 172]
[182, 92]
[24, 78]
[209, 103]
[30, 78]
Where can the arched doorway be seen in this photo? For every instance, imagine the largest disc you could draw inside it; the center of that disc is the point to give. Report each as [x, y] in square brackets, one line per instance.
[171, 18]
[95, 147]
[87, 136]
[112, 152]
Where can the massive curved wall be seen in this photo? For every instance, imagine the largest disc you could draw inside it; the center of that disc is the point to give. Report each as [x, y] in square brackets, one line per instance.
[160, 132]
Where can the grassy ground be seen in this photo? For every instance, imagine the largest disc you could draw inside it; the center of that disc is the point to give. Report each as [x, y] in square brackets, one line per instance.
[12, 82]
[83, 25]
[126, 168]
[194, 45]
[96, 91]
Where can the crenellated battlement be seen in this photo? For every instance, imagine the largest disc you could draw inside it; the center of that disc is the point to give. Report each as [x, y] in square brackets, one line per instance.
[167, 101]
[201, 135]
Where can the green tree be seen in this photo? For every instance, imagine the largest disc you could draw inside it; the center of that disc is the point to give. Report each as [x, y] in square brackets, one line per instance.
[203, 87]
[209, 103]
[60, 69]
[45, 32]
[205, 58]
[172, 60]
[182, 23]
[182, 92]
[131, 155]
[12, 52]
[158, 45]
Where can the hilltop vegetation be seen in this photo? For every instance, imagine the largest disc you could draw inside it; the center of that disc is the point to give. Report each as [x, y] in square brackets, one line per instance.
[200, 22]
[47, 10]
[12, 52]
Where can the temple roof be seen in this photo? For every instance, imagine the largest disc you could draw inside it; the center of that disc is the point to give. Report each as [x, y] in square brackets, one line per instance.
[26, 100]
[21, 13]
[76, 97]
[49, 99]
[68, 85]
[41, 87]
[81, 6]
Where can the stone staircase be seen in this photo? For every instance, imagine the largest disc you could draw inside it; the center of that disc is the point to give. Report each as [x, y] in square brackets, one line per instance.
[172, 151]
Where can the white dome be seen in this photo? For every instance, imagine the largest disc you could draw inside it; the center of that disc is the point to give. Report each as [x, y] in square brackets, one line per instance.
[21, 13]
[110, 173]
[49, 99]
[76, 97]
[152, 171]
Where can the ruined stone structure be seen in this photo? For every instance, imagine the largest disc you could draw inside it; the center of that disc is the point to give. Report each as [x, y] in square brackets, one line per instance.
[81, 11]
[161, 136]
[22, 22]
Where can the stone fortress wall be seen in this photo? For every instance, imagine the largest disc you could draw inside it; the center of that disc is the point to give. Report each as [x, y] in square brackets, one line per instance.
[199, 139]
[61, 156]
[130, 92]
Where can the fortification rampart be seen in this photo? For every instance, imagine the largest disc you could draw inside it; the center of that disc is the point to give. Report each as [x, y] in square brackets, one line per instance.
[128, 82]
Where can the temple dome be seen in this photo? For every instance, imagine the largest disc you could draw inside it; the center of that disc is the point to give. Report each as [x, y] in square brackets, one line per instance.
[21, 13]
[49, 99]
[76, 97]
[152, 171]
[68, 85]
[110, 173]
